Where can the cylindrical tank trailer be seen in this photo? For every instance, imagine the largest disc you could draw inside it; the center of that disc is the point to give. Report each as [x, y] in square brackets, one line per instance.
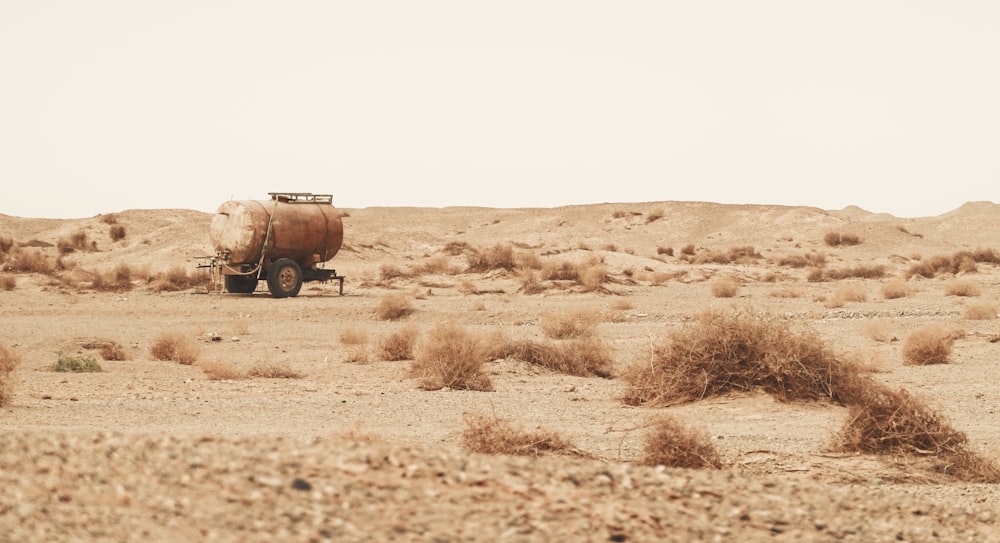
[281, 240]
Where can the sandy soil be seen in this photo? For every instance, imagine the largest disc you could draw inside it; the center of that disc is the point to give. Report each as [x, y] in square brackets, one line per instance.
[157, 451]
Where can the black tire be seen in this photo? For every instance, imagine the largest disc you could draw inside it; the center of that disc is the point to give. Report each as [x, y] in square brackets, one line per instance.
[241, 284]
[284, 278]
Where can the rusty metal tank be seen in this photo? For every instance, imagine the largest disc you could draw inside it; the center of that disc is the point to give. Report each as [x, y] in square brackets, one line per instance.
[302, 227]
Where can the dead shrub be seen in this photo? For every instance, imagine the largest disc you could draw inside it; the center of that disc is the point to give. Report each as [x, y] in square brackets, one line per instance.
[492, 435]
[570, 324]
[388, 272]
[834, 239]
[815, 275]
[221, 371]
[860, 272]
[353, 336]
[528, 260]
[530, 283]
[786, 292]
[980, 311]
[113, 351]
[962, 261]
[725, 288]
[117, 280]
[673, 444]
[23, 260]
[668, 251]
[357, 354]
[109, 218]
[9, 360]
[719, 352]
[688, 249]
[8, 282]
[175, 347]
[885, 421]
[846, 293]
[176, 279]
[654, 215]
[584, 357]
[272, 370]
[6, 245]
[592, 275]
[498, 257]
[811, 260]
[559, 271]
[928, 345]
[896, 288]
[878, 330]
[961, 287]
[399, 344]
[450, 356]
[116, 232]
[393, 307]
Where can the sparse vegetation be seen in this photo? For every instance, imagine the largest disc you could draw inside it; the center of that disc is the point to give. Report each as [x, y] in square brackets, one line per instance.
[725, 287]
[217, 370]
[10, 359]
[450, 356]
[399, 344]
[175, 347]
[177, 278]
[498, 257]
[962, 287]
[109, 218]
[980, 311]
[834, 239]
[879, 330]
[353, 336]
[585, 357]
[570, 324]
[847, 293]
[492, 435]
[928, 345]
[654, 215]
[673, 444]
[76, 364]
[960, 262]
[394, 306]
[113, 351]
[8, 282]
[116, 232]
[806, 260]
[896, 288]
[668, 251]
[273, 370]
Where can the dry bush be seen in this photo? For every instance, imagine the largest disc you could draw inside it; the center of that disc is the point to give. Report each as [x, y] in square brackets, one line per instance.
[451, 356]
[6, 245]
[725, 287]
[658, 278]
[609, 247]
[861, 272]
[584, 357]
[388, 272]
[834, 239]
[175, 347]
[221, 371]
[896, 288]
[530, 283]
[815, 275]
[354, 336]
[570, 324]
[960, 287]
[492, 435]
[357, 354]
[786, 292]
[437, 265]
[498, 257]
[688, 249]
[962, 261]
[394, 306]
[109, 218]
[810, 260]
[399, 344]
[117, 280]
[928, 345]
[113, 351]
[468, 288]
[528, 260]
[654, 215]
[980, 311]
[847, 293]
[884, 421]
[116, 232]
[719, 352]
[669, 251]
[177, 278]
[560, 271]
[878, 330]
[29, 261]
[592, 275]
[78, 241]
[272, 370]
[8, 282]
[673, 444]
[9, 360]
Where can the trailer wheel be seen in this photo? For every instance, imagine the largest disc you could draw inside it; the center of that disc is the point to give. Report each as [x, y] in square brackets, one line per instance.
[241, 284]
[284, 278]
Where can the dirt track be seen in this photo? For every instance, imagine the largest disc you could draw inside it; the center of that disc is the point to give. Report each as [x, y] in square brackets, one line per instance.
[152, 450]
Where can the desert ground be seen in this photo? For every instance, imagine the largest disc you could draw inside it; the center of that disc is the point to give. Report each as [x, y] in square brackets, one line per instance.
[350, 447]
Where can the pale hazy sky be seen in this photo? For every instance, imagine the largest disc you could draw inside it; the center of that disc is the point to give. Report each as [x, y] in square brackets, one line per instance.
[111, 105]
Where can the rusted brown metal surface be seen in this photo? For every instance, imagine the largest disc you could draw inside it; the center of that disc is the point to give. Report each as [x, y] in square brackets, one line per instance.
[297, 226]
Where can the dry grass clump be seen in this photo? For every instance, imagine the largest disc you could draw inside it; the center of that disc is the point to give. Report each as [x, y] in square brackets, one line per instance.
[498, 257]
[654, 215]
[570, 324]
[962, 261]
[928, 345]
[897, 288]
[786, 292]
[720, 352]
[113, 351]
[175, 347]
[274, 370]
[399, 344]
[216, 370]
[668, 251]
[116, 232]
[735, 255]
[846, 293]
[725, 288]
[8, 282]
[879, 330]
[388, 272]
[983, 311]
[860, 272]
[177, 278]
[116, 280]
[589, 274]
[492, 435]
[353, 336]
[9, 360]
[673, 444]
[584, 357]
[807, 260]
[961, 287]
[78, 241]
[109, 218]
[885, 421]
[22, 260]
[450, 356]
[833, 239]
[393, 307]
